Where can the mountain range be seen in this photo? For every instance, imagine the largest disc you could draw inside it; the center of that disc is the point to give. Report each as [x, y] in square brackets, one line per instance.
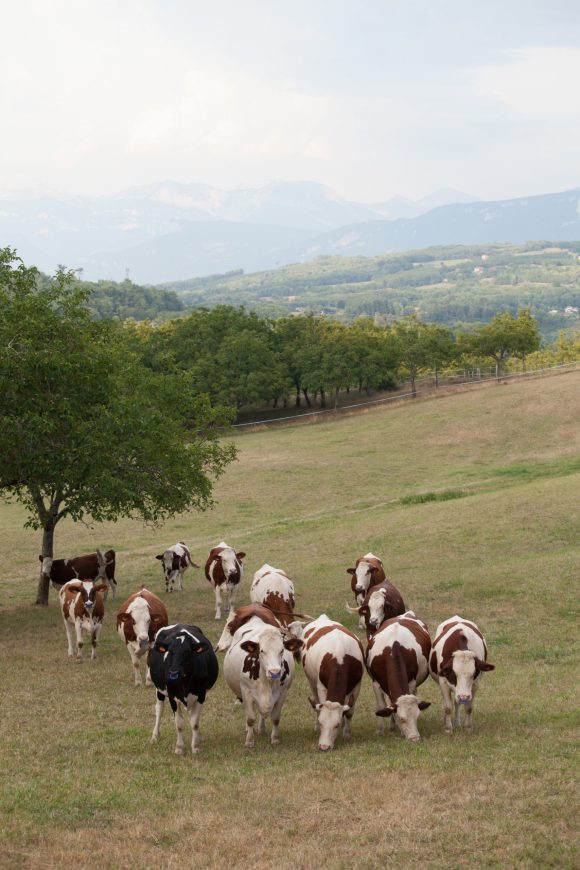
[171, 231]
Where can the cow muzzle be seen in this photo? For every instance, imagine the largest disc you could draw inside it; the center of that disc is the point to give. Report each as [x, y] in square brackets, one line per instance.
[359, 590]
[143, 642]
[415, 739]
[324, 747]
[463, 699]
[173, 676]
[274, 673]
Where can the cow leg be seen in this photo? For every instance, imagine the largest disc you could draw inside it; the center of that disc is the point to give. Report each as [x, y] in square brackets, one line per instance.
[468, 721]
[70, 636]
[159, 705]
[457, 715]
[233, 594]
[447, 707]
[79, 634]
[346, 727]
[194, 717]
[180, 581]
[95, 639]
[275, 717]
[218, 602]
[261, 724]
[148, 680]
[250, 718]
[178, 716]
[136, 667]
[381, 702]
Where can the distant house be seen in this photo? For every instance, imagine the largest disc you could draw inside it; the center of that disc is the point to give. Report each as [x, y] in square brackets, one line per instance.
[478, 270]
[570, 311]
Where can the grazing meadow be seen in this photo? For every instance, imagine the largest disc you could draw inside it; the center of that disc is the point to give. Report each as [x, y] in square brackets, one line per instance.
[472, 502]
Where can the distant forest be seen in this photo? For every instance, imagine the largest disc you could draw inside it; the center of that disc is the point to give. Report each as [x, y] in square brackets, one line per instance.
[455, 286]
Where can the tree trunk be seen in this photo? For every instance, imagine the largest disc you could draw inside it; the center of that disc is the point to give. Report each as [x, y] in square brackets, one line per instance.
[297, 397]
[47, 550]
[322, 399]
[413, 390]
[308, 402]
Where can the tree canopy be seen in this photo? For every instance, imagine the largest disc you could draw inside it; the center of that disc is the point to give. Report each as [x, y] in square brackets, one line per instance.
[86, 428]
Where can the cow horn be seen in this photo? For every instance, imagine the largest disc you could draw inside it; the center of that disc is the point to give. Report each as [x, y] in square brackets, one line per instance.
[351, 609]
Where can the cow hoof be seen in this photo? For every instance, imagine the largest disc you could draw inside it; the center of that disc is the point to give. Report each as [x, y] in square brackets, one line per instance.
[275, 741]
[154, 739]
[195, 751]
[448, 730]
[179, 751]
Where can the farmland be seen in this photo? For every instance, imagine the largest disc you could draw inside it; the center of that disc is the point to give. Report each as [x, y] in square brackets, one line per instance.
[472, 502]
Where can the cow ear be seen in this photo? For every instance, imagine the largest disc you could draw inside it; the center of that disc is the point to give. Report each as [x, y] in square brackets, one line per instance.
[484, 666]
[159, 557]
[386, 711]
[200, 648]
[41, 558]
[373, 569]
[250, 646]
[293, 644]
[364, 610]
[240, 556]
[351, 571]
[422, 705]
[124, 617]
[162, 649]
[101, 587]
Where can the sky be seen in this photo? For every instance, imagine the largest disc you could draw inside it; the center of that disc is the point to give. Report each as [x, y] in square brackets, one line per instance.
[373, 99]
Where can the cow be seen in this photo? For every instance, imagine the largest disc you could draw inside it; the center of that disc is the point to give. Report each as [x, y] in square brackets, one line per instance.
[398, 662]
[138, 621]
[243, 614]
[273, 587]
[90, 566]
[83, 608]
[458, 658]
[259, 669]
[334, 664]
[224, 570]
[368, 571]
[175, 562]
[183, 668]
[381, 602]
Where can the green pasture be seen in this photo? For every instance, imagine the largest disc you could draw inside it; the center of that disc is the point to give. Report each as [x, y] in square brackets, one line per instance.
[472, 501]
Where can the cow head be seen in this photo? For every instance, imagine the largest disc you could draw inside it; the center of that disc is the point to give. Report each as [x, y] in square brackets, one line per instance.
[143, 623]
[406, 713]
[46, 565]
[461, 670]
[330, 715]
[231, 566]
[365, 574]
[181, 655]
[269, 647]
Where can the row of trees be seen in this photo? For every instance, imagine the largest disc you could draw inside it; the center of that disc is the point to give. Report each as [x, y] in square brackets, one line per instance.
[242, 360]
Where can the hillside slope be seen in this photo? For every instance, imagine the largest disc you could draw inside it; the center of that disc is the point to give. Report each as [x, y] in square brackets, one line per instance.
[498, 544]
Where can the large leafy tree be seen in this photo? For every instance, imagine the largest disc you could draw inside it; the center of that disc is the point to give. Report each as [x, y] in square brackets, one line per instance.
[503, 337]
[86, 429]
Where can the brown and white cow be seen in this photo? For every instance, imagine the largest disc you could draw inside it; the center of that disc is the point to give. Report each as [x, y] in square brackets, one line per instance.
[83, 608]
[398, 662]
[239, 618]
[90, 566]
[273, 587]
[175, 562]
[259, 669]
[333, 661]
[458, 658]
[138, 621]
[381, 602]
[224, 570]
[368, 571]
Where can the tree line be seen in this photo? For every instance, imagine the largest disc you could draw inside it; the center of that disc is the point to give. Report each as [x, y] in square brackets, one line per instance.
[242, 360]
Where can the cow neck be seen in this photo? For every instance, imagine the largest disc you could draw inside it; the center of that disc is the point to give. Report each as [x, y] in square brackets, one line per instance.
[397, 679]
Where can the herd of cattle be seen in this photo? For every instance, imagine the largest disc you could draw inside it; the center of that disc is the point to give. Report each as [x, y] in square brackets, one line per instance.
[262, 640]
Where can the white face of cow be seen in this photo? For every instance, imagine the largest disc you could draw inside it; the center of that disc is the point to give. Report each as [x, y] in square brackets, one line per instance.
[406, 713]
[330, 719]
[171, 573]
[229, 565]
[376, 605]
[465, 672]
[141, 614]
[271, 649]
[46, 566]
[364, 573]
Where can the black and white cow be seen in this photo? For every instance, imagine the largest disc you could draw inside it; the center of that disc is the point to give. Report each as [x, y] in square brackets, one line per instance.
[183, 668]
[175, 562]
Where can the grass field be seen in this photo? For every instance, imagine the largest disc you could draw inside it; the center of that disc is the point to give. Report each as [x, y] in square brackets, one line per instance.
[472, 502]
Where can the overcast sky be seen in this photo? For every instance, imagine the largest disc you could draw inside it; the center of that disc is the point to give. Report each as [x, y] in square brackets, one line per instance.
[370, 97]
